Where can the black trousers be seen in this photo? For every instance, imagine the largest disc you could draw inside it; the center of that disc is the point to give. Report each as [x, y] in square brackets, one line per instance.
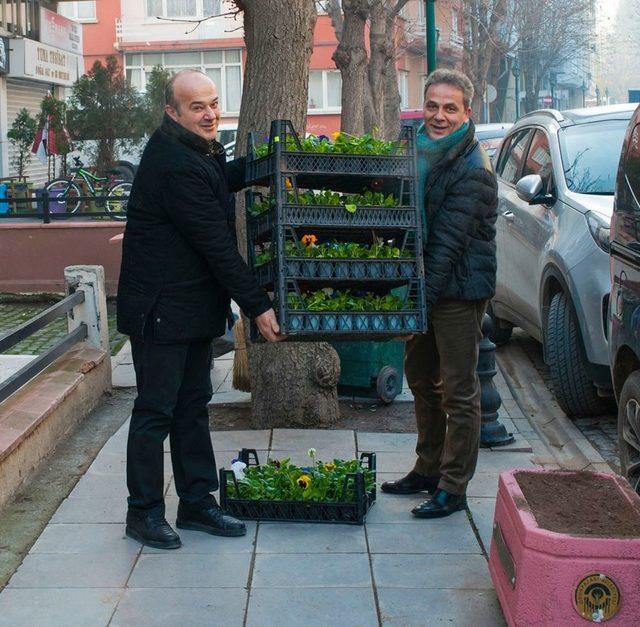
[174, 387]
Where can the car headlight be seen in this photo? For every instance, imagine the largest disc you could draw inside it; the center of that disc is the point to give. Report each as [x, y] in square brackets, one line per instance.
[599, 229]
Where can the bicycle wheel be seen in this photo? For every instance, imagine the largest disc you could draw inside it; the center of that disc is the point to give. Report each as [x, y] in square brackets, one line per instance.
[118, 199]
[64, 192]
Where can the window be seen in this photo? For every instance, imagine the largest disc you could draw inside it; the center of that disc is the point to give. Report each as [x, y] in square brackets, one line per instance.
[511, 157]
[80, 11]
[403, 88]
[183, 8]
[223, 66]
[631, 166]
[538, 159]
[325, 90]
[590, 155]
[455, 17]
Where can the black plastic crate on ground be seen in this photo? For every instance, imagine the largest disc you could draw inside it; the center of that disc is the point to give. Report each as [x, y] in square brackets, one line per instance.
[351, 512]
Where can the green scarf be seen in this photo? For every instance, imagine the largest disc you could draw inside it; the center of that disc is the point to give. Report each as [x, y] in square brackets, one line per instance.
[430, 151]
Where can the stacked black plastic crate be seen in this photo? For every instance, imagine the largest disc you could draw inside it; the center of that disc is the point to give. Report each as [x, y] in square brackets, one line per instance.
[287, 170]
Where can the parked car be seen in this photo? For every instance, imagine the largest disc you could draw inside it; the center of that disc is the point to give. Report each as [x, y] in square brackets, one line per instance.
[556, 173]
[624, 343]
[491, 135]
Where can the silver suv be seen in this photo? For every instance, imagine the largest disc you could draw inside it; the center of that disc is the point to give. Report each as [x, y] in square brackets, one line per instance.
[557, 173]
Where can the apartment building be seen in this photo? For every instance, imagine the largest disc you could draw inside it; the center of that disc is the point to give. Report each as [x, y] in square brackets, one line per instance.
[41, 51]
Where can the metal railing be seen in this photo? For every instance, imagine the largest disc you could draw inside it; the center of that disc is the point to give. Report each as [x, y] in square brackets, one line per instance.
[10, 339]
[43, 202]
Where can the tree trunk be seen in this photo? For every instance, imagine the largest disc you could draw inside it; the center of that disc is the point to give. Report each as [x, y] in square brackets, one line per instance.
[350, 58]
[292, 384]
[375, 117]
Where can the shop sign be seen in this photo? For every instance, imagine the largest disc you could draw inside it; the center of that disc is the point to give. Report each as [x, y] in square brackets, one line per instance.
[60, 32]
[40, 62]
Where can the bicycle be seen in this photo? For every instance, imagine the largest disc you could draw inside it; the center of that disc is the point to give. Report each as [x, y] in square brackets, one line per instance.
[66, 190]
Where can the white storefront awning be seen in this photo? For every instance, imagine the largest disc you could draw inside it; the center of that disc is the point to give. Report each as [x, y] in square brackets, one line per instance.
[41, 62]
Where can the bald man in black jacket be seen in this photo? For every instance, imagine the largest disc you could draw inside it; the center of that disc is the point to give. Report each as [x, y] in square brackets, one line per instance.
[180, 268]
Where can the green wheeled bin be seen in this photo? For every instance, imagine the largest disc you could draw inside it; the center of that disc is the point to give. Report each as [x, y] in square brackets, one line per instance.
[371, 369]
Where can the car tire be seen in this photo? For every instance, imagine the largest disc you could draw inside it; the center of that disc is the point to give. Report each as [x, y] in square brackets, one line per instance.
[501, 330]
[386, 383]
[575, 392]
[629, 429]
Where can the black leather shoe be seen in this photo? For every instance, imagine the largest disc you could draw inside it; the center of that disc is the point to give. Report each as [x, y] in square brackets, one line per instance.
[206, 515]
[411, 484]
[441, 504]
[152, 530]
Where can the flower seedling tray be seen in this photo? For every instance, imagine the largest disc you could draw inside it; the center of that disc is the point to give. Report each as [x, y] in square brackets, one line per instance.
[318, 216]
[281, 159]
[352, 512]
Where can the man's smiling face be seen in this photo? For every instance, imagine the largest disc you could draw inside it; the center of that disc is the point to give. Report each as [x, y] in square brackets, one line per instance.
[444, 110]
[198, 108]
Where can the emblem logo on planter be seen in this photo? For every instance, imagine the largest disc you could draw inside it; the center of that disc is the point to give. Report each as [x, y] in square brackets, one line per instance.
[597, 598]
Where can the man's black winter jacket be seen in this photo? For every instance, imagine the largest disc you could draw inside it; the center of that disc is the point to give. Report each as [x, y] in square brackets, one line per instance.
[461, 197]
[180, 262]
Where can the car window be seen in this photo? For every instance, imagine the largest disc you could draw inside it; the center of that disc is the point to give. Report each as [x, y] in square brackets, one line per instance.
[590, 155]
[538, 159]
[511, 158]
[631, 167]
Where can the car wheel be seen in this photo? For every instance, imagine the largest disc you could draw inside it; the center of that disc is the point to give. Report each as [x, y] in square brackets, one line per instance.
[501, 330]
[629, 429]
[386, 384]
[567, 362]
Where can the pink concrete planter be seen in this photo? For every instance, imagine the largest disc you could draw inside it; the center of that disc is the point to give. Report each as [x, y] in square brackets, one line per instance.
[545, 577]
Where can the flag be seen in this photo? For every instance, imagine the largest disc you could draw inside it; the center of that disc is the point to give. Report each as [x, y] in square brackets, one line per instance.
[40, 143]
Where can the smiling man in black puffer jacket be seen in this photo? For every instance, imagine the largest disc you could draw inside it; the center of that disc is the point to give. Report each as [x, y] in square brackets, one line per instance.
[180, 267]
[459, 193]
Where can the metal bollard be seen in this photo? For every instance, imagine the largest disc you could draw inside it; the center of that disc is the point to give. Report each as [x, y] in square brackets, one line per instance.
[492, 431]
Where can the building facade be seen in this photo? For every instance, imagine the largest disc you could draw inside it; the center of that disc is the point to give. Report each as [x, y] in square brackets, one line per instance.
[44, 54]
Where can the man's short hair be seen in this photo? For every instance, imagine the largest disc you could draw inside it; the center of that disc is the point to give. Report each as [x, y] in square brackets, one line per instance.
[169, 95]
[455, 79]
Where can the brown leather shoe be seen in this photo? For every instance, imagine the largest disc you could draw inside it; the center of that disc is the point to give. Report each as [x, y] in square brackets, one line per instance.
[411, 484]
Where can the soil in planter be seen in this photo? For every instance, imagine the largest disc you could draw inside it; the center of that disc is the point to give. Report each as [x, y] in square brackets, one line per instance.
[580, 504]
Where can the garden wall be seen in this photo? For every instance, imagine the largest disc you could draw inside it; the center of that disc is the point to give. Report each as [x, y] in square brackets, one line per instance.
[33, 255]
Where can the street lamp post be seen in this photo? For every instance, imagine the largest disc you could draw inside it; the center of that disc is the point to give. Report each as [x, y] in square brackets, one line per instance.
[553, 81]
[583, 87]
[606, 95]
[431, 35]
[597, 95]
[515, 69]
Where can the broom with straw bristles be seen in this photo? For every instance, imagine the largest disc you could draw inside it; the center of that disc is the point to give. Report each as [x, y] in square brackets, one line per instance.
[241, 377]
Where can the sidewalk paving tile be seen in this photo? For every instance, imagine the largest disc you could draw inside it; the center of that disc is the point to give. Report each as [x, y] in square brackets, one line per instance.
[453, 535]
[319, 570]
[235, 440]
[387, 442]
[482, 510]
[401, 462]
[460, 571]
[196, 542]
[168, 607]
[483, 484]
[491, 461]
[320, 439]
[73, 570]
[310, 538]
[89, 607]
[312, 607]
[91, 510]
[106, 538]
[395, 508]
[185, 570]
[100, 486]
[411, 607]
[230, 398]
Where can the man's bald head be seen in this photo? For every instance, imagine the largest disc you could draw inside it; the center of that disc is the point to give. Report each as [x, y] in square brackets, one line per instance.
[192, 101]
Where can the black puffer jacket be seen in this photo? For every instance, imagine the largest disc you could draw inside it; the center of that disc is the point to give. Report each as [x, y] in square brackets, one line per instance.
[180, 262]
[461, 197]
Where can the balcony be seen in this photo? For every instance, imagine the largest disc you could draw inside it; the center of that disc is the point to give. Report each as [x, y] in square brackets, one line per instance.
[20, 18]
[136, 30]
